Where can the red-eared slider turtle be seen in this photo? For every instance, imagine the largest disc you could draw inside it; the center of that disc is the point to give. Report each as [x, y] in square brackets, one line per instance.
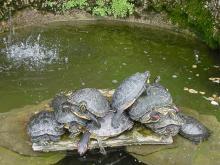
[192, 129]
[43, 128]
[169, 122]
[91, 104]
[105, 131]
[143, 108]
[64, 116]
[126, 94]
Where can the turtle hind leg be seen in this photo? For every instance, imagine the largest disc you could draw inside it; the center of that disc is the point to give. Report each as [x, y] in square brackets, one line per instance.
[83, 143]
[102, 149]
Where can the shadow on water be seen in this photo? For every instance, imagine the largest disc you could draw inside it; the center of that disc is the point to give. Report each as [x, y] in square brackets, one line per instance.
[113, 157]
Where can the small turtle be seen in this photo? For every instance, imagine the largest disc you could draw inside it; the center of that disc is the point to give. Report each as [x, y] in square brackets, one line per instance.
[169, 122]
[91, 104]
[193, 130]
[65, 116]
[143, 109]
[126, 94]
[43, 128]
[105, 131]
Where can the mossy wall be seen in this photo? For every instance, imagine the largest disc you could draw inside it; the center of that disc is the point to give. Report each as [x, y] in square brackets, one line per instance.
[202, 17]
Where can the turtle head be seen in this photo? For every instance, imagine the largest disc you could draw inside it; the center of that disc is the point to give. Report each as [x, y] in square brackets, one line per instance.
[157, 80]
[83, 106]
[146, 75]
[154, 116]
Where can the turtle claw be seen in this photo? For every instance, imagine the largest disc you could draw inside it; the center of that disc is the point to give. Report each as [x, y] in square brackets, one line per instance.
[82, 148]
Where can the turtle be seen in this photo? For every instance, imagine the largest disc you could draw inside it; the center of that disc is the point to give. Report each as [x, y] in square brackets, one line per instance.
[105, 131]
[156, 96]
[126, 94]
[65, 116]
[43, 128]
[92, 104]
[193, 130]
[169, 122]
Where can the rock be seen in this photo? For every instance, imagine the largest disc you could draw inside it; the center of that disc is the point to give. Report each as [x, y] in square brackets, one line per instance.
[8, 157]
[13, 129]
[14, 135]
[182, 151]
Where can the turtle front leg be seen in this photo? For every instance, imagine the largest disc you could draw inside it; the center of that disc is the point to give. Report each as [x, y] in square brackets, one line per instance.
[94, 119]
[83, 143]
[116, 118]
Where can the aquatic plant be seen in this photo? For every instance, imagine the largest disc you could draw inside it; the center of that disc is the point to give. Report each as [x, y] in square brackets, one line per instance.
[102, 8]
[74, 3]
[121, 8]
[192, 14]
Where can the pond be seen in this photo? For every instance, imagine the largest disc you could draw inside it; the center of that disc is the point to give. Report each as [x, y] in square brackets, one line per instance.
[40, 61]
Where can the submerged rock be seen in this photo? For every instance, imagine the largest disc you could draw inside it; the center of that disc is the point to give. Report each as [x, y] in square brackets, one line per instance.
[13, 128]
[8, 157]
[183, 151]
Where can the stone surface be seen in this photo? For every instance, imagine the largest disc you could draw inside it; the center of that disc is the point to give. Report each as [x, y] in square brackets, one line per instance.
[137, 136]
[8, 157]
[14, 135]
[182, 151]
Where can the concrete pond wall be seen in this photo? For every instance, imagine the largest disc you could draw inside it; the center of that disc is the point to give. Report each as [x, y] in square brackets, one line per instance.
[200, 17]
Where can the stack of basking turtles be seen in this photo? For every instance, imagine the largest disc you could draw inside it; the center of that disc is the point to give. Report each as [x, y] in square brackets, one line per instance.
[87, 111]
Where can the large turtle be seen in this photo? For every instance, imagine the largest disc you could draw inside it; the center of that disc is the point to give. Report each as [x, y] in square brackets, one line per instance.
[169, 122]
[157, 96]
[126, 94]
[43, 128]
[192, 129]
[91, 103]
[105, 131]
[65, 116]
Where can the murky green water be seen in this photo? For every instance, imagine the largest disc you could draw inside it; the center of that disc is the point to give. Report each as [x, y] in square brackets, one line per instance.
[101, 55]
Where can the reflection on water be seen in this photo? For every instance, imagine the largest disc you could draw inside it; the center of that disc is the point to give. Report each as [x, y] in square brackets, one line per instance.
[113, 157]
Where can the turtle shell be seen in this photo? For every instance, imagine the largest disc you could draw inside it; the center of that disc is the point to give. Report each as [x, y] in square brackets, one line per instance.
[157, 96]
[107, 130]
[44, 123]
[169, 123]
[192, 129]
[129, 90]
[96, 103]
[64, 115]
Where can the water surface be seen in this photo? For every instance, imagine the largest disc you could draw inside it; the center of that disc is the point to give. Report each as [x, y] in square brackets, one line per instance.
[44, 60]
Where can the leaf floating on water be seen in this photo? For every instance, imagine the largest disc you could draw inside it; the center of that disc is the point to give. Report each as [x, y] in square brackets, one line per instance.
[215, 79]
[201, 92]
[214, 102]
[185, 89]
[208, 98]
[192, 91]
[216, 66]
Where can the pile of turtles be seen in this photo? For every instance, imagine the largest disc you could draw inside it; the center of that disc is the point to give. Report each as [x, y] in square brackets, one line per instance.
[88, 112]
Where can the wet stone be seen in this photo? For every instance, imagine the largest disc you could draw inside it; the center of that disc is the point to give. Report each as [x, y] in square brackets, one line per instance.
[183, 151]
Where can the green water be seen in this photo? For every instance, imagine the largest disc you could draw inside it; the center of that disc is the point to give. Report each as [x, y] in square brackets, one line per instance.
[101, 55]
